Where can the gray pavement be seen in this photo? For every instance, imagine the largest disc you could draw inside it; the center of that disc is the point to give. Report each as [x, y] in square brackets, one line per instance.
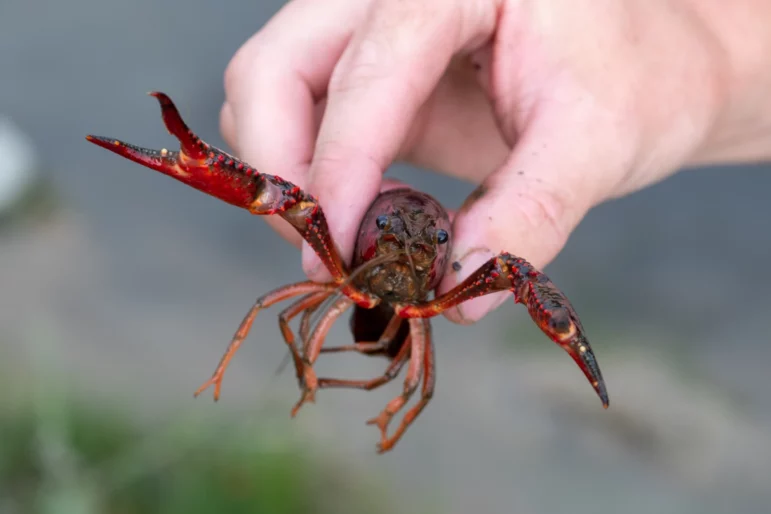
[136, 287]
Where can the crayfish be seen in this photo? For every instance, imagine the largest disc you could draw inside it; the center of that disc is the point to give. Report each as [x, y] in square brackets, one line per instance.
[401, 254]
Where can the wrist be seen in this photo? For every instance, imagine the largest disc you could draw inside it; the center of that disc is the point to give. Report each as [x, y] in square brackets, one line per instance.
[742, 127]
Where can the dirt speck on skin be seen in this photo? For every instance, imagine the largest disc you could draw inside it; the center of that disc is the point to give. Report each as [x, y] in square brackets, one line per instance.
[475, 195]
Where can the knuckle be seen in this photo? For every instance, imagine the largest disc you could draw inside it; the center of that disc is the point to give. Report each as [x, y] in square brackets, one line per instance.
[536, 223]
[256, 51]
[544, 209]
[236, 71]
[367, 63]
[478, 20]
[403, 17]
[410, 387]
[227, 126]
[253, 55]
[388, 42]
[334, 154]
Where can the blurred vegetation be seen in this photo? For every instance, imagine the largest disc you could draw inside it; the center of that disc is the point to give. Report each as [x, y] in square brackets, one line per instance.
[59, 455]
[38, 203]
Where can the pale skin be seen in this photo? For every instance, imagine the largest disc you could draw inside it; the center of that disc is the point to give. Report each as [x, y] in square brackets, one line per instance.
[553, 106]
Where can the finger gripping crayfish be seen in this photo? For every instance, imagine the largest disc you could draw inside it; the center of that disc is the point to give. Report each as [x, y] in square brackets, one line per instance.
[401, 255]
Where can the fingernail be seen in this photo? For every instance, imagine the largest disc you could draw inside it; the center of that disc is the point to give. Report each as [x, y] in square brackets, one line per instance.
[476, 309]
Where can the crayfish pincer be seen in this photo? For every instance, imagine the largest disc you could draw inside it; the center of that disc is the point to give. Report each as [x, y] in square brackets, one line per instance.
[402, 251]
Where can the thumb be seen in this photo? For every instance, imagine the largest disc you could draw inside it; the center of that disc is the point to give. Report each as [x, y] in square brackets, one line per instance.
[528, 208]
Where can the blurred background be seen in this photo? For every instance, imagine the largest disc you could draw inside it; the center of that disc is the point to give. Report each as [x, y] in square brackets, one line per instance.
[120, 290]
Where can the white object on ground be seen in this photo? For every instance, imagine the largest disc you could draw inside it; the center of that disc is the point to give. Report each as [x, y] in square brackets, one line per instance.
[18, 164]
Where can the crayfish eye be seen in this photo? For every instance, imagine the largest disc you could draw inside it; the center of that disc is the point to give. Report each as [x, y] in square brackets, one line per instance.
[442, 236]
[381, 221]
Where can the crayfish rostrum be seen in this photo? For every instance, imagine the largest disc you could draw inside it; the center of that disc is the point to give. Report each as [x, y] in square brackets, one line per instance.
[401, 254]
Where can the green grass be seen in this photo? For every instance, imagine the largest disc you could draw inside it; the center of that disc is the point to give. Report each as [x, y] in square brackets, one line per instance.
[59, 455]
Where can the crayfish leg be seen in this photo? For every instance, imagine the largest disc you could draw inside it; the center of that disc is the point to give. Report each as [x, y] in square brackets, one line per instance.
[427, 392]
[420, 343]
[313, 349]
[305, 305]
[376, 347]
[263, 302]
[547, 305]
[320, 331]
[391, 372]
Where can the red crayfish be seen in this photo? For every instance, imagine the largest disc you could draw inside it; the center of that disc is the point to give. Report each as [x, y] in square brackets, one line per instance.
[401, 254]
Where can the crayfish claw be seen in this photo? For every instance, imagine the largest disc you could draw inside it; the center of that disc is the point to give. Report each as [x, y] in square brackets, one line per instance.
[309, 386]
[215, 380]
[583, 355]
[555, 316]
[385, 445]
[382, 421]
[164, 160]
[592, 370]
[308, 396]
[190, 144]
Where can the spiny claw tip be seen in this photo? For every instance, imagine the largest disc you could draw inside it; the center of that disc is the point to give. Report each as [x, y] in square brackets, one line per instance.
[104, 142]
[163, 98]
[603, 394]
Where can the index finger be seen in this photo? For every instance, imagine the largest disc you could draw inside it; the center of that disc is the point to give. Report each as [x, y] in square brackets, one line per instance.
[272, 86]
[387, 72]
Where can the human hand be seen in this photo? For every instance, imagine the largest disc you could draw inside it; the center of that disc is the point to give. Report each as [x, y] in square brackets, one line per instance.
[553, 107]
